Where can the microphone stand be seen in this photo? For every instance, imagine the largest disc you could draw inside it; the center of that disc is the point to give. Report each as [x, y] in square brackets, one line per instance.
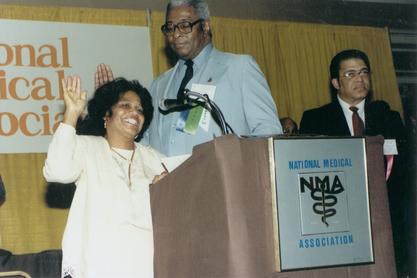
[204, 101]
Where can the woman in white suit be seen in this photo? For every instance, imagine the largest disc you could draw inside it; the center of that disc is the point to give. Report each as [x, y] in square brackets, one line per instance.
[109, 227]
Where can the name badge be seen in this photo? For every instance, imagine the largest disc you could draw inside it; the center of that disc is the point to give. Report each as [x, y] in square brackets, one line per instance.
[190, 120]
[208, 90]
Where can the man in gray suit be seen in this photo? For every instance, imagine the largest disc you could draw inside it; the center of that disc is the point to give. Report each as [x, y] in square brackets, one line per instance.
[234, 82]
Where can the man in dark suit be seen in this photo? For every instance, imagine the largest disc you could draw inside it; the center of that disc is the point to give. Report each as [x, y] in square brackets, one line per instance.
[350, 74]
[353, 113]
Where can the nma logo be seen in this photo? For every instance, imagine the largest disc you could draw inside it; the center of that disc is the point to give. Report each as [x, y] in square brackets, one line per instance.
[324, 191]
[323, 202]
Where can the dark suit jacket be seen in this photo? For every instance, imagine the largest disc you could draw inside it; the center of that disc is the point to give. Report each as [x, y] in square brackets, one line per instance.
[380, 120]
[330, 120]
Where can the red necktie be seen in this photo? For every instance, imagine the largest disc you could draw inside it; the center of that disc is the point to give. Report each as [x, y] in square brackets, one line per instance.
[356, 122]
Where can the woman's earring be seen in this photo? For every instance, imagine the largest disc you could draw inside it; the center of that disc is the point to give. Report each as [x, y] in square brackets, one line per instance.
[105, 124]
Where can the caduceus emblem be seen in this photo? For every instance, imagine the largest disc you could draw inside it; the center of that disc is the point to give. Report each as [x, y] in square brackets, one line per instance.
[325, 202]
[323, 190]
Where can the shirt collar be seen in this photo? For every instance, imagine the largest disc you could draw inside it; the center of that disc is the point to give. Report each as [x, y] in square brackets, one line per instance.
[345, 105]
[201, 58]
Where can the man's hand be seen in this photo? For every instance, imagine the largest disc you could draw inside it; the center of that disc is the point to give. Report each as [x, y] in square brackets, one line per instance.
[103, 75]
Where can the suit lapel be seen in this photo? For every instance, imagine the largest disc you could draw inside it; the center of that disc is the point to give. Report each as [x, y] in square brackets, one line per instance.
[166, 84]
[214, 70]
[338, 124]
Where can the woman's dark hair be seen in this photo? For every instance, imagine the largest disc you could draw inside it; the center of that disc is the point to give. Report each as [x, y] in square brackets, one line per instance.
[103, 100]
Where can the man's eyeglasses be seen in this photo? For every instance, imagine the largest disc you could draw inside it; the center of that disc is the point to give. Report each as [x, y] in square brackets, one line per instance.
[183, 27]
[353, 73]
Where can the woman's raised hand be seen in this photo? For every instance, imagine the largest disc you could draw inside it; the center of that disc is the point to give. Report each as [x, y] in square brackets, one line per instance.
[75, 99]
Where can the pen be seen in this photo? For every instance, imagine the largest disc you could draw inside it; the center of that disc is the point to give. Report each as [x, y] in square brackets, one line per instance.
[165, 168]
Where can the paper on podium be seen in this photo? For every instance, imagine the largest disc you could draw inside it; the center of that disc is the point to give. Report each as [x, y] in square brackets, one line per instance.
[390, 147]
[173, 162]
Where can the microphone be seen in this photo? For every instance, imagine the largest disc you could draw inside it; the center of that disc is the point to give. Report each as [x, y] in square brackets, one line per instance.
[217, 115]
[170, 105]
[193, 99]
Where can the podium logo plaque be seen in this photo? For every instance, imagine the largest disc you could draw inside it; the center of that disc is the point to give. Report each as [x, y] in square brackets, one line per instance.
[322, 203]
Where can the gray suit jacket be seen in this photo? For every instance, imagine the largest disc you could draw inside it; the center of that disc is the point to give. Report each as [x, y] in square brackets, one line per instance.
[242, 94]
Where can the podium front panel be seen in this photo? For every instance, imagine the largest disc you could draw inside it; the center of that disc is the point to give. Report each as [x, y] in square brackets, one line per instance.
[322, 202]
[213, 216]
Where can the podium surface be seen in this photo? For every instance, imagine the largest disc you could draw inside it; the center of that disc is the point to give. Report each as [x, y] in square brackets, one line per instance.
[213, 215]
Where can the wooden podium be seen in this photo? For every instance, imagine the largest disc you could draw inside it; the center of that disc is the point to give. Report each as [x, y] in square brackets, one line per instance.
[212, 216]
